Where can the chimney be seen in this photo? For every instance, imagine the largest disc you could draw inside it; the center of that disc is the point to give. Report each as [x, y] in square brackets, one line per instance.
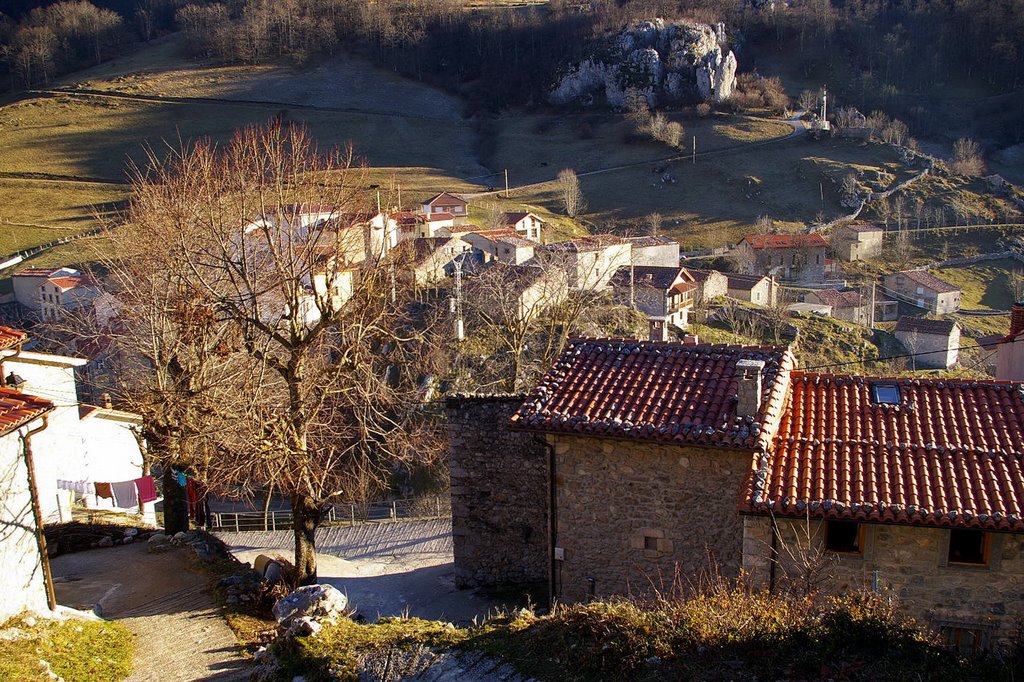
[1016, 319]
[748, 390]
[659, 330]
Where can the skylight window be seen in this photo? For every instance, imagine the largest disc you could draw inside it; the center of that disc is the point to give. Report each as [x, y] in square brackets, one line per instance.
[885, 394]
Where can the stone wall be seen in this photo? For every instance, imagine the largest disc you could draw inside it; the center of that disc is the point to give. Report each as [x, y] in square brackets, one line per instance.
[633, 516]
[500, 493]
[912, 565]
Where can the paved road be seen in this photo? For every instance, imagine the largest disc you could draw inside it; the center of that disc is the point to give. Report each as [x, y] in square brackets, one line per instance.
[180, 634]
[386, 569]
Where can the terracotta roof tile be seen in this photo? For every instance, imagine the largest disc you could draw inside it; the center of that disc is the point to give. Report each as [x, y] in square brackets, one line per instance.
[445, 199]
[785, 241]
[11, 337]
[18, 409]
[669, 392]
[949, 454]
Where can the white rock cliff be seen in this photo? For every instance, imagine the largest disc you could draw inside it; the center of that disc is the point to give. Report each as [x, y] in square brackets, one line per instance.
[664, 62]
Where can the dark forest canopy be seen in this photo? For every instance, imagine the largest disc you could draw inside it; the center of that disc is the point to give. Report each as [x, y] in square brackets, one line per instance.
[899, 55]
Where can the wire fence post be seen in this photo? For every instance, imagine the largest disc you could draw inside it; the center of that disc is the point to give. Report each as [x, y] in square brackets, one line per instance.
[394, 511]
[273, 520]
[236, 523]
[352, 513]
[437, 505]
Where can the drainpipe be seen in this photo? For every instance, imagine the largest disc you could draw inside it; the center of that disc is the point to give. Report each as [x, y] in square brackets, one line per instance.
[37, 511]
[774, 556]
[552, 518]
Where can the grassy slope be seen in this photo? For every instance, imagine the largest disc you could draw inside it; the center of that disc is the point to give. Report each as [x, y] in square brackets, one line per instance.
[75, 650]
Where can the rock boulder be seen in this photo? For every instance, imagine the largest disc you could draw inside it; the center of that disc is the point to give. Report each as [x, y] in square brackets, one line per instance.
[315, 602]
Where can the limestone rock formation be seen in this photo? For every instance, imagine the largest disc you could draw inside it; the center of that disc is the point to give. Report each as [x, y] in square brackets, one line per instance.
[318, 602]
[662, 62]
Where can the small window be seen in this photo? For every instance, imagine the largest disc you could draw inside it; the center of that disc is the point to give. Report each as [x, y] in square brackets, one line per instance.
[885, 394]
[965, 641]
[845, 537]
[968, 547]
[650, 543]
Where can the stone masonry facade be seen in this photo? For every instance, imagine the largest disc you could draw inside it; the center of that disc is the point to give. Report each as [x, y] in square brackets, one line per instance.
[912, 565]
[632, 516]
[500, 492]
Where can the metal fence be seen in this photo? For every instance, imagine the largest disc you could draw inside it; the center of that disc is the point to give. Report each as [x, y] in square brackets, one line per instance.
[437, 506]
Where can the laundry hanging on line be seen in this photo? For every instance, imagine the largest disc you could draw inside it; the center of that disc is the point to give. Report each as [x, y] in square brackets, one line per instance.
[147, 489]
[126, 494]
[82, 487]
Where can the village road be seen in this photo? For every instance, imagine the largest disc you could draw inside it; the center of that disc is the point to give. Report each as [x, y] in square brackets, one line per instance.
[180, 633]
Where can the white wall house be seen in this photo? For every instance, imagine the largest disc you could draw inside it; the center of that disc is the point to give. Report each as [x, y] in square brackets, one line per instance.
[527, 224]
[80, 443]
[49, 292]
[21, 562]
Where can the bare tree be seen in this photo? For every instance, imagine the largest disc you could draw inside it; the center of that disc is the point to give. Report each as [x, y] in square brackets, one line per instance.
[1015, 284]
[967, 158]
[652, 224]
[276, 252]
[571, 193]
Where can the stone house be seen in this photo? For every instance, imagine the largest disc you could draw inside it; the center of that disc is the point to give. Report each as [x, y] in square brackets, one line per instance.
[924, 290]
[656, 251]
[757, 289]
[935, 343]
[858, 242]
[928, 508]
[590, 262]
[710, 284]
[1010, 348]
[445, 203]
[846, 305]
[485, 243]
[660, 293]
[798, 257]
[514, 250]
[667, 459]
[528, 225]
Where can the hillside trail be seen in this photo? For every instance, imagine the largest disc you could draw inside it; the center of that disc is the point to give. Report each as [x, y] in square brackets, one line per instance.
[180, 633]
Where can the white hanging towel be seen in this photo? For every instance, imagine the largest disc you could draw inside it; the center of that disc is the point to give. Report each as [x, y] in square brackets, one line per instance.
[82, 487]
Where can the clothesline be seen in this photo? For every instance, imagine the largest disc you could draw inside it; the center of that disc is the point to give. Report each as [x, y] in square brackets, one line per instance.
[125, 494]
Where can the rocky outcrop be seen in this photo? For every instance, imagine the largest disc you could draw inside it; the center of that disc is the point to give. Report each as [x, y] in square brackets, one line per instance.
[663, 62]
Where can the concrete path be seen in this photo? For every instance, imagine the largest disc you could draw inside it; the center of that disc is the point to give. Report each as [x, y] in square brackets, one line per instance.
[386, 569]
[180, 634]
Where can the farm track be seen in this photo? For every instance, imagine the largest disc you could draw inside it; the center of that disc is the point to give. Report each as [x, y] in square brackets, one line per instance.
[219, 101]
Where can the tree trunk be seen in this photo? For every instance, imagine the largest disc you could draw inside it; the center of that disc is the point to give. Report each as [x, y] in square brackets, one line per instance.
[305, 519]
[175, 504]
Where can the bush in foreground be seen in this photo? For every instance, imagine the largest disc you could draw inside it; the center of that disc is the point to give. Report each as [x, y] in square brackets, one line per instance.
[725, 635]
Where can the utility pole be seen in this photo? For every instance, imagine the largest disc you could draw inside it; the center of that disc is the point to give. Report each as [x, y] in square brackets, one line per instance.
[631, 284]
[457, 302]
[872, 312]
[695, 150]
[506, 183]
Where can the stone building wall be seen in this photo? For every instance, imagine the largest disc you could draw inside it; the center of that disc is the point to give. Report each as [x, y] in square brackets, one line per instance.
[500, 493]
[912, 565]
[633, 515]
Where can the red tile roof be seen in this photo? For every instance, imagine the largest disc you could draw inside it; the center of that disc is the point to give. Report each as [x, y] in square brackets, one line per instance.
[948, 455]
[18, 409]
[668, 392]
[785, 241]
[652, 276]
[11, 337]
[435, 217]
[445, 199]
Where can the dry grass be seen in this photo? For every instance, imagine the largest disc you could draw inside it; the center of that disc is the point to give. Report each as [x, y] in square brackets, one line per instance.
[72, 650]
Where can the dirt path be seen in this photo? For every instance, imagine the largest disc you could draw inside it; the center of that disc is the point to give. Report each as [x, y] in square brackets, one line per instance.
[180, 634]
